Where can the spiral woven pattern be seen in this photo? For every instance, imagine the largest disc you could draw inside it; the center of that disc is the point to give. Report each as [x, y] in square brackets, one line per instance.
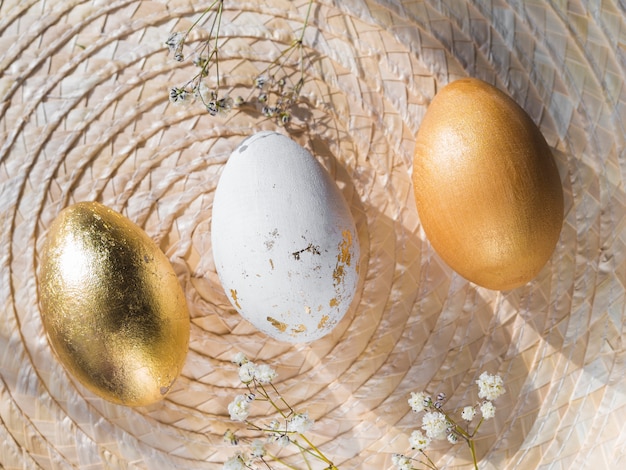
[85, 115]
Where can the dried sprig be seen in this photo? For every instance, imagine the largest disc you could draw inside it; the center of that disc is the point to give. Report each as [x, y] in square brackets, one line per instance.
[437, 423]
[288, 429]
[206, 58]
[273, 93]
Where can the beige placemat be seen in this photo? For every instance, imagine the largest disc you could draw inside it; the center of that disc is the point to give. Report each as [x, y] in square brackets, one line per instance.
[85, 115]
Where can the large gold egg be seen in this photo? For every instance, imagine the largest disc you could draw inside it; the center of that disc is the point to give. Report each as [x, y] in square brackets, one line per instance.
[487, 188]
[112, 307]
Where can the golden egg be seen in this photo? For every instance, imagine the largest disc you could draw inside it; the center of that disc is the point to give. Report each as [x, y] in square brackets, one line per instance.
[487, 188]
[112, 307]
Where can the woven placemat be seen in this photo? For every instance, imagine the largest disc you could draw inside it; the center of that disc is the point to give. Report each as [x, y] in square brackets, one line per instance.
[85, 115]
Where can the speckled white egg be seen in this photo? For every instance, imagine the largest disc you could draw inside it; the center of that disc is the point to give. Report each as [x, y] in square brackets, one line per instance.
[284, 241]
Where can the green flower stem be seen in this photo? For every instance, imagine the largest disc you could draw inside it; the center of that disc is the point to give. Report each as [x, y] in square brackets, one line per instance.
[267, 465]
[316, 452]
[312, 449]
[212, 56]
[473, 452]
[477, 426]
[195, 23]
[306, 20]
[275, 458]
[218, 20]
[291, 410]
[286, 54]
[465, 434]
[430, 463]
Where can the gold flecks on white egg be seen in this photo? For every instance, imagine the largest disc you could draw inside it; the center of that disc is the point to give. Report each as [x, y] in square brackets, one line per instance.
[284, 241]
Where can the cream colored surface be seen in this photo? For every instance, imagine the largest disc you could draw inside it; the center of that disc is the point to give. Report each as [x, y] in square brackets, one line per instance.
[85, 116]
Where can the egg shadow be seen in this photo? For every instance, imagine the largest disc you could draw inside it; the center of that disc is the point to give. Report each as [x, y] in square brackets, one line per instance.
[441, 349]
[391, 340]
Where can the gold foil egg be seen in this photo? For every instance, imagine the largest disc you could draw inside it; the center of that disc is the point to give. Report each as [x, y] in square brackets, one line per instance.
[487, 189]
[112, 307]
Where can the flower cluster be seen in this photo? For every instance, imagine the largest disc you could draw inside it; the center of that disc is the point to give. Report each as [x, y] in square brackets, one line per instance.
[272, 97]
[438, 423]
[274, 92]
[206, 57]
[287, 429]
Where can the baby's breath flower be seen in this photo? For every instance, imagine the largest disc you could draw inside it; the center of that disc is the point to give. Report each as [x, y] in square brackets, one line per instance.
[468, 413]
[285, 118]
[264, 374]
[240, 358]
[435, 424]
[418, 441]
[401, 461]
[230, 438]
[247, 371]
[300, 423]
[490, 386]
[225, 104]
[283, 440]
[419, 401]
[212, 108]
[201, 62]
[175, 45]
[257, 448]
[179, 95]
[260, 82]
[488, 410]
[239, 408]
[453, 438]
[203, 93]
[274, 425]
[236, 462]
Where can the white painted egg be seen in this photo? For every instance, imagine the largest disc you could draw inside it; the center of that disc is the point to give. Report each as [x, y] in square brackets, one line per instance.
[284, 241]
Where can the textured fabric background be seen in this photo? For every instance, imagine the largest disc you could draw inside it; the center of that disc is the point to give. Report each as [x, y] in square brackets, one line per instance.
[84, 115]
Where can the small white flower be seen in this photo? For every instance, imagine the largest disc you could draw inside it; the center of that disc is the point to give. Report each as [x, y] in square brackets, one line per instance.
[247, 371]
[236, 462]
[179, 96]
[418, 441]
[239, 408]
[401, 461]
[488, 410]
[490, 386]
[419, 401]
[453, 438]
[435, 424]
[240, 358]
[274, 425]
[300, 423]
[264, 374]
[230, 438]
[257, 448]
[283, 440]
[468, 413]
[203, 93]
[175, 45]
